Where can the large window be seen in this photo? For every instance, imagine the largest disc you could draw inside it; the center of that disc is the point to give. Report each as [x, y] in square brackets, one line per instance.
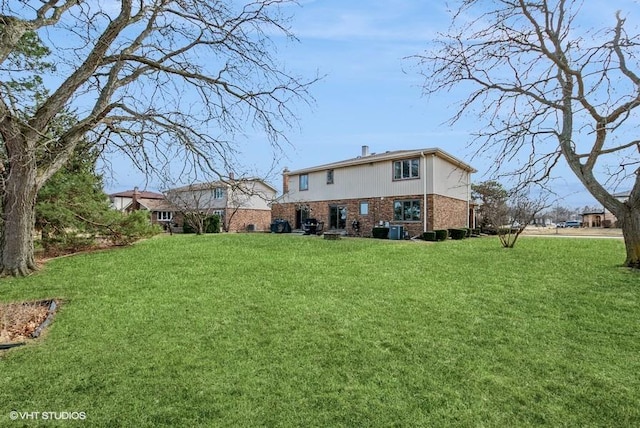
[406, 210]
[218, 193]
[304, 182]
[406, 169]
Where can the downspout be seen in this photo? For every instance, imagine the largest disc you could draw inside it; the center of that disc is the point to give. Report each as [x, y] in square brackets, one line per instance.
[468, 199]
[424, 194]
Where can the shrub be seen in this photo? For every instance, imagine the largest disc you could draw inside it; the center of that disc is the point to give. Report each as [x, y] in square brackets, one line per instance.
[458, 233]
[131, 227]
[442, 234]
[429, 236]
[380, 232]
[212, 224]
[71, 242]
[475, 232]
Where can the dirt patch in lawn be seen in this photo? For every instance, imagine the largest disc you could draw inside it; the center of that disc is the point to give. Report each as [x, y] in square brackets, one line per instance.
[24, 320]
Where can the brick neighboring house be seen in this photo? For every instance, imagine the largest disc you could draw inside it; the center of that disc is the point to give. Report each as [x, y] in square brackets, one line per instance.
[603, 218]
[161, 210]
[422, 190]
[242, 204]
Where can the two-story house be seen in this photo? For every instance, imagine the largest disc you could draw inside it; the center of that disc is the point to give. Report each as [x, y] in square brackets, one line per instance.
[242, 204]
[422, 190]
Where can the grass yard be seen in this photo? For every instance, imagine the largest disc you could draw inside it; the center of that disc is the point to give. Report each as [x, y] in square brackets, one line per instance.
[280, 330]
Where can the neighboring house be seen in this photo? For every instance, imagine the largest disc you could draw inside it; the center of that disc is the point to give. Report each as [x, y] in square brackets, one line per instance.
[242, 204]
[604, 217]
[161, 210]
[422, 190]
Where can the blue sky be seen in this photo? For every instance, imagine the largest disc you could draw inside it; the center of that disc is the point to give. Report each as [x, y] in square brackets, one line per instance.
[370, 95]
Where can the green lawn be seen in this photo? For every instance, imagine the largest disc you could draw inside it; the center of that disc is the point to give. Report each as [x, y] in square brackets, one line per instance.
[280, 330]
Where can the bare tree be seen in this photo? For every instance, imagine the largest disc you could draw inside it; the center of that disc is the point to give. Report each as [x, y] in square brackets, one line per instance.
[520, 210]
[161, 80]
[548, 89]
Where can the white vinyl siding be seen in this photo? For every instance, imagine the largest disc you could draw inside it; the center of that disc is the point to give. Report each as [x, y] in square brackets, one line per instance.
[359, 181]
[449, 180]
[375, 180]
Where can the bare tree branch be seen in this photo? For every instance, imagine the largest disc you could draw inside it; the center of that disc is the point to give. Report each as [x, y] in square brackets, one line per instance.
[547, 90]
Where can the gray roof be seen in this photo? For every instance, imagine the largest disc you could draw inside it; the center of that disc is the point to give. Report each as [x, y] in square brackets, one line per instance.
[387, 156]
[220, 184]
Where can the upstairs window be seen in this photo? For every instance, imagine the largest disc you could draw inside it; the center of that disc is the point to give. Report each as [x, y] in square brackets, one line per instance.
[218, 193]
[304, 181]
[406, 169]
[330, 176]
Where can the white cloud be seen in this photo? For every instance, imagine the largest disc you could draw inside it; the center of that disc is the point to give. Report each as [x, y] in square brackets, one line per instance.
[375, 20]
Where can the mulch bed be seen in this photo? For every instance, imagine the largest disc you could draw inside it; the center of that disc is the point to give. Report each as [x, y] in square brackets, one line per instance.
[20, 321]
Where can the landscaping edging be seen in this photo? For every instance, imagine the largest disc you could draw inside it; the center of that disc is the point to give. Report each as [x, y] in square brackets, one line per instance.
[52, 307]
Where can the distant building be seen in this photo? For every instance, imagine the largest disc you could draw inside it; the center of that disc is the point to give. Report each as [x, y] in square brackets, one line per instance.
[161, 210]
[242, 204]
[603, 218]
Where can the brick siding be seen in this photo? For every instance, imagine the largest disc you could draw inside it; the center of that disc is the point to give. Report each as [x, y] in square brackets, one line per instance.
[260, 219]
[442, 213]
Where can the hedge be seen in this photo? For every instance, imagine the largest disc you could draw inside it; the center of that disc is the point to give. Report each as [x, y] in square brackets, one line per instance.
[442, 234]
[429, 235]
[380, 232]
[458, 233]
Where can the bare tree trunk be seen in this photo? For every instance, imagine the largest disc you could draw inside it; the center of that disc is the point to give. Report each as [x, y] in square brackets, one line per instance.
[629, 221]
[18, 207]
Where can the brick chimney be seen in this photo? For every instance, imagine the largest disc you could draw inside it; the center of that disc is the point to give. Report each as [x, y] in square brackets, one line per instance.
[135, 197]
[285, 180]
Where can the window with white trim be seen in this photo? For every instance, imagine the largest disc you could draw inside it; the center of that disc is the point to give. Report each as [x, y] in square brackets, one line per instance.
[165, 215]
[218, 193]
[406, 169]
[364, 208]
